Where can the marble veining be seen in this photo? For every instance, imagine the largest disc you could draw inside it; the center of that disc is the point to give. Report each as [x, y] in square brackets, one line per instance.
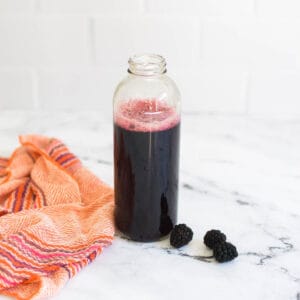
[238, 174]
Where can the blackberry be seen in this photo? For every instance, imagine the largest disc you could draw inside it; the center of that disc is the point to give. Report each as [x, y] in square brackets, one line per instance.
[224, 252]
[214, 237]
[181, 235]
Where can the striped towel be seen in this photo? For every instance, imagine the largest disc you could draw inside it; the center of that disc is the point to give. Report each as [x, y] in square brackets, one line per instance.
[56, 217]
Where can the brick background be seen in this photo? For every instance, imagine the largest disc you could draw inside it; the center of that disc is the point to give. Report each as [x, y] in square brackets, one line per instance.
[235, 56]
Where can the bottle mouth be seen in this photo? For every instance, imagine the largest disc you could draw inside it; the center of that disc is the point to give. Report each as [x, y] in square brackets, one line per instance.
[147, 64]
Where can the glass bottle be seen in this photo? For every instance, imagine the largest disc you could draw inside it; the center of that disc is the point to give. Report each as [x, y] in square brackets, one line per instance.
[146, 109]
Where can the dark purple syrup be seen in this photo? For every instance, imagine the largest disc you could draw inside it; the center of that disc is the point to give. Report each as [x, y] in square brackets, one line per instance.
[146, 179]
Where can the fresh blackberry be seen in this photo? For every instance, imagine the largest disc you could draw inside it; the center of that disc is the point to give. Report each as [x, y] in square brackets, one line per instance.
[214, 237]
[224, 252]
[181, 235]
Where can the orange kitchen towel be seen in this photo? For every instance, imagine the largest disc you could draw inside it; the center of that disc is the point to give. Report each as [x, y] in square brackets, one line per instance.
[56, 217]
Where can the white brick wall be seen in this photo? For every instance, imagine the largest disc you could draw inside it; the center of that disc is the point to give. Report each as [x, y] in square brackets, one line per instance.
[91, 6]
[251, 41]
[16, 6]
[202, 8]
[16, 88]
[234, 56]
[274, 92]
[44, 40]
[77, 88]
[118, 37]
[287, 8]
[213, 88]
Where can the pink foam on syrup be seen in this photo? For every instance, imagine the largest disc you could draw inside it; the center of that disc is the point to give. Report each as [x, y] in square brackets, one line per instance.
[146, 115]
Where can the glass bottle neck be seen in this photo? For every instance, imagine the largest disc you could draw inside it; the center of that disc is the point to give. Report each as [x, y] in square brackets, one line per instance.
[147, 65]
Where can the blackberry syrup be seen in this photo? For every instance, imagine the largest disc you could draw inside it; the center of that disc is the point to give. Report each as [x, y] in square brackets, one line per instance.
[146, 161]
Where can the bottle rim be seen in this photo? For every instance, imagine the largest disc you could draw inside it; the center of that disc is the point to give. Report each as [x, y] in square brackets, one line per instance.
[147, 64]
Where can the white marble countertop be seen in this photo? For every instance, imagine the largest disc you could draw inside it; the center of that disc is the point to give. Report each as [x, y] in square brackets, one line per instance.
[237, 174]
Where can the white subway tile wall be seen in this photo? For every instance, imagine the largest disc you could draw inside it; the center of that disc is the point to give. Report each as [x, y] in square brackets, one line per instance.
[218, 88]
[234, 56]
[44, 40]
[175, 38]
[77, 88]
[16, 88]
[287, 8]
[91, 6]
[274, 92]
[16, 6]
[202, 8]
